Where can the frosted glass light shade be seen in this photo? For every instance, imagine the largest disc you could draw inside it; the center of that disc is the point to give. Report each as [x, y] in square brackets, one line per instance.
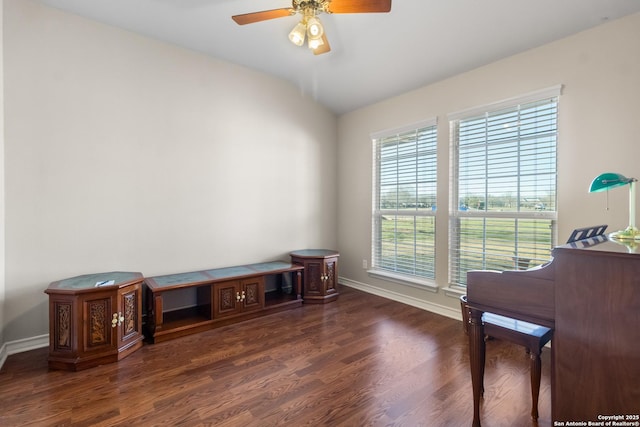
[315, 43]
[314, 28]
[297, 34]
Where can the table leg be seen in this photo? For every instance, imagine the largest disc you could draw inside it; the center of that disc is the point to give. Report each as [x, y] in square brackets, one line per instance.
[299, 284]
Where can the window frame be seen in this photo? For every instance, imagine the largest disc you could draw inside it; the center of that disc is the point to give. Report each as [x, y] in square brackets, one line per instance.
[456, 214]
[376, 269]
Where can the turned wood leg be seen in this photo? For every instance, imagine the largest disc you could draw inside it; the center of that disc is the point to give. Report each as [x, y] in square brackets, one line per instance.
[476, 357]
[536, 368]
[299, 284]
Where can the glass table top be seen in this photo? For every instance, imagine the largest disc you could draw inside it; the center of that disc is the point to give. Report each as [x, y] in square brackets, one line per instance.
[215, 274]
[95, 280]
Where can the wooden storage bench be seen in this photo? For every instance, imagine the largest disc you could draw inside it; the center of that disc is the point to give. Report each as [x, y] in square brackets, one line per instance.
[222, 296]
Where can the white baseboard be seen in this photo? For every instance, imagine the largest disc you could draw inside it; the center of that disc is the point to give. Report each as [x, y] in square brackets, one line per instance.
[18, 346]
[3, 355]
[443, 310]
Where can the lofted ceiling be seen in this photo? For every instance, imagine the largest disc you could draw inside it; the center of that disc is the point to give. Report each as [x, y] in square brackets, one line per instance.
[373, 56]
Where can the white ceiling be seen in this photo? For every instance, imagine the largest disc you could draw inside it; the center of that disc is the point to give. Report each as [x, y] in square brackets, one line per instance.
[373, 56]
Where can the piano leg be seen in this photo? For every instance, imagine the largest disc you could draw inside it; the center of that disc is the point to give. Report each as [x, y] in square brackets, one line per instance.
[476, 357]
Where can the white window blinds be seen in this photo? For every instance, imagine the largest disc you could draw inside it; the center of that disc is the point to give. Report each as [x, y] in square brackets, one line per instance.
[404, 200]
[503, 188]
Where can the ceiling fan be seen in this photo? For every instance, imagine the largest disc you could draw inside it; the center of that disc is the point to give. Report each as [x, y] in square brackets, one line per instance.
[309, 26]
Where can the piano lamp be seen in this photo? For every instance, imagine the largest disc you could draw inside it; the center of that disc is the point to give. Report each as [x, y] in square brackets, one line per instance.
[609, 180]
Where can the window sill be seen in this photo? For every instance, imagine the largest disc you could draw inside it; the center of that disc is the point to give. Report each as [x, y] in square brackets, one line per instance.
[423, 284]
[455, 291]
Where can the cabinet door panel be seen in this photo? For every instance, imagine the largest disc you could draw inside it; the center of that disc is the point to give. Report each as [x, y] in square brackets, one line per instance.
[253, 293]
[331, 266]
[63, 325]
[314, 285]
[129, 309]
[98, 331]
[226, 299]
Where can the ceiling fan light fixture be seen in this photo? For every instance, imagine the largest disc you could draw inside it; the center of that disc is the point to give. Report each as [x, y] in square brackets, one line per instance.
[297, 34]
[315, 43]
[310, 27]
[314, 28]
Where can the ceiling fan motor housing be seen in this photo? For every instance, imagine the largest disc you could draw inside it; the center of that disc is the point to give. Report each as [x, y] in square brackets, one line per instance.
[311, 6]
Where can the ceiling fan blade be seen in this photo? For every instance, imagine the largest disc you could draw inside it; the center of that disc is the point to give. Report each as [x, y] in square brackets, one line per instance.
[324, 47]
[359, 6]
[250, 18]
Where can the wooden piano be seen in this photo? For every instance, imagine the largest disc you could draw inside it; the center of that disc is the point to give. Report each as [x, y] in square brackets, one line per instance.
[590, 295]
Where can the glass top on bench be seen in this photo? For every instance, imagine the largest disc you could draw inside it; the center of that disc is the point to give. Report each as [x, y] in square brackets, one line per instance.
[89, 281]
[195, 277]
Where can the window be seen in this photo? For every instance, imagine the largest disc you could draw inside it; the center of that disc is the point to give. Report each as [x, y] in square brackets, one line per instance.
[503, 186]
[405, 201]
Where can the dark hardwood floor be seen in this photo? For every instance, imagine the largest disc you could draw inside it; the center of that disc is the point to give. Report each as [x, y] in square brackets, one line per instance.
[360, 361]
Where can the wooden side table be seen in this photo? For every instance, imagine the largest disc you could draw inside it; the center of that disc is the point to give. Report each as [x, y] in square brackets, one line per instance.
[320, 274]
[94, 319]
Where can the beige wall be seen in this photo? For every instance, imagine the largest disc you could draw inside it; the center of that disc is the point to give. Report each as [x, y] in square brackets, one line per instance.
[124, 153]
[598, 132]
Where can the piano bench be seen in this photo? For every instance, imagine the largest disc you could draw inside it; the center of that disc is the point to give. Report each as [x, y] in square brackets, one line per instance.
[531, 336]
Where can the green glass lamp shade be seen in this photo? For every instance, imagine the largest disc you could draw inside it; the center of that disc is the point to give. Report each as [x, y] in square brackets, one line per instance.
[608, 180]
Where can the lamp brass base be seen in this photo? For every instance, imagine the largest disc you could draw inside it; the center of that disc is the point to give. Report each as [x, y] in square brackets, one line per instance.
[630, 233]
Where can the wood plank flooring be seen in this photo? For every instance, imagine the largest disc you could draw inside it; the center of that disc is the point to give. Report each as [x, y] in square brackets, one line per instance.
[360, 361]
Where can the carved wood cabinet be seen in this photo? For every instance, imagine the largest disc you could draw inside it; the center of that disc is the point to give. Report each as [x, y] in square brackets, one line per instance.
[220, 296]
[237, 296]
[94, 319]
[320, 274]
